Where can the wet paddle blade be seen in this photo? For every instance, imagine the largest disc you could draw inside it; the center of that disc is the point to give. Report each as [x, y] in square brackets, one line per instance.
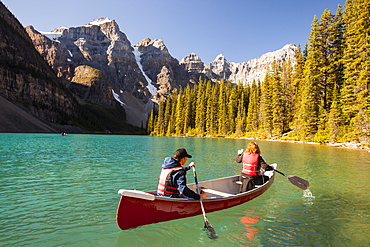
[210, 230]
[299, 182]
[207, 225]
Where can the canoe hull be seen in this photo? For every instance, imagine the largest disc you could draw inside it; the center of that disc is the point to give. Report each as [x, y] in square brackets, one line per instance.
[133, 212]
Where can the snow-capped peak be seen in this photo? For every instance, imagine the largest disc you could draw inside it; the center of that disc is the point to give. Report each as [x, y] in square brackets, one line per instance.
[59, 30]
[52, 35]
[220, 59]
[99, 21]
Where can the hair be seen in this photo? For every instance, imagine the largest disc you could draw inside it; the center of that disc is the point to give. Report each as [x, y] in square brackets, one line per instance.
[252, 147]
[176, 158]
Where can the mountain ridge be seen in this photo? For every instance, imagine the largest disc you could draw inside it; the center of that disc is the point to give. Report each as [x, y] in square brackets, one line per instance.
[99, 65]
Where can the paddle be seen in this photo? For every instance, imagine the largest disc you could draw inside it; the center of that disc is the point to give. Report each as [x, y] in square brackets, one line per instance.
[297, 181]
[207, 225]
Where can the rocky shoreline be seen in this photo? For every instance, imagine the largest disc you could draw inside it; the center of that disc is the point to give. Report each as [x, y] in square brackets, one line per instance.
[350, 145]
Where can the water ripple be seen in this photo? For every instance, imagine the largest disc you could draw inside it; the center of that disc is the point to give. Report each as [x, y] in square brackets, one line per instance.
[61, 191]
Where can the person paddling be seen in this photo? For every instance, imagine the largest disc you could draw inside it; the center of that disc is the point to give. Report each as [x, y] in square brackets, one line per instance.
[172, 180]
[253, 162]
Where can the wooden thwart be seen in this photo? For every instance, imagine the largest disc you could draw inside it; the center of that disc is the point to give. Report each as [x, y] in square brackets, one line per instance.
[216, 192]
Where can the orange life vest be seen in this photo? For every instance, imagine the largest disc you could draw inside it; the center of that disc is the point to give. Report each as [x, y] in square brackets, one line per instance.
[165, 186]
[250, 163]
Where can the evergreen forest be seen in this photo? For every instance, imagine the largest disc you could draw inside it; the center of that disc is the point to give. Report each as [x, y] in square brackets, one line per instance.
[323, 98]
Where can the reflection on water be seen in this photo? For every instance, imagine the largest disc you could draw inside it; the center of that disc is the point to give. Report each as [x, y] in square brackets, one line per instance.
[250, 222]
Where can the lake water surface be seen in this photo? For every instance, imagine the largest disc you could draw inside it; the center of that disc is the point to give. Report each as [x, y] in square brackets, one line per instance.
[62, 191]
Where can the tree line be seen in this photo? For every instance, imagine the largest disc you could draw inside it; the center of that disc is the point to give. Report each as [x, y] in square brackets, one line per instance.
[323, 97]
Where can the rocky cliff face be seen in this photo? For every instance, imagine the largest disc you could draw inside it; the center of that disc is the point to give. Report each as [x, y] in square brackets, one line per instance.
[25, 77]
[34, 99]
[98, 61]
[245, 72]
[163, 70]
[256, 69]
[131, 75]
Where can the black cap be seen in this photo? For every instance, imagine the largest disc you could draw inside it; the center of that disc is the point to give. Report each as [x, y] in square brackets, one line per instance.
[181, 153]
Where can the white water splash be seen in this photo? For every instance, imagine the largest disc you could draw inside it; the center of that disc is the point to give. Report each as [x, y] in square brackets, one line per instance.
[308, 193]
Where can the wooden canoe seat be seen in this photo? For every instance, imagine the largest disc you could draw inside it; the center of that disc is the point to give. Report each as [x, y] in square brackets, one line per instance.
[240, 183]
[216, 192]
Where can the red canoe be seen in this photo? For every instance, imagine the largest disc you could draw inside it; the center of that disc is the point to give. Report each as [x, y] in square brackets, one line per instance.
[137, 208]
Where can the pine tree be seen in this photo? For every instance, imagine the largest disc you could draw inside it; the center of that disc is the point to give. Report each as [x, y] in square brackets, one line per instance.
[212, 110]
[161, 123]
[171, 127]
[179, 124]
[211, 93]
[337, 49]
[187, 109]
[355, 97]
[232, 108]
[336, 78]
[241, 116]
[200, 109]
[267, 104]
[222, 110]
[278, 103]
[150, 124]
[238, 109]
[308, 115]
[298, 81]
[253, 121]
[334, 119]
[323, 45]
[288, 94]
[167, 116]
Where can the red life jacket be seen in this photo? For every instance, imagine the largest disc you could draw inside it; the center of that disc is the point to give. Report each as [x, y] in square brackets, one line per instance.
[165, 186]
[250, 163]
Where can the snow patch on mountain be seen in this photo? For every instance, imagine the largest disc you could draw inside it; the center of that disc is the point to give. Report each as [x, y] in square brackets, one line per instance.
[152, 89]
[99, 21]
[116, 97]
[53, 35]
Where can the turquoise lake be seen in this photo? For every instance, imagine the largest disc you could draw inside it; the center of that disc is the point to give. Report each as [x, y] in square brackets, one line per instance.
[62, 191]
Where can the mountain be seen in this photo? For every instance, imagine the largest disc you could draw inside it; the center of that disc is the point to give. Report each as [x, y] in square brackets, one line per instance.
[89, 71]
[103, 67]
[256, 69]
[34, 99]
[245, 72]
[28, 86]
[98, 61]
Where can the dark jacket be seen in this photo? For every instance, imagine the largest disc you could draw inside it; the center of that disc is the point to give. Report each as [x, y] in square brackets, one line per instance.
[179, 178]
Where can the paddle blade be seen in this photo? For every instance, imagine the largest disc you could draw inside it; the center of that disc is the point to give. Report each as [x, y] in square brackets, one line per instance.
[299, 182]
[210, 230]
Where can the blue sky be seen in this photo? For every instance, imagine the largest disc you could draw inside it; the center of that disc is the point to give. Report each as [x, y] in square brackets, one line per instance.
[239, 29]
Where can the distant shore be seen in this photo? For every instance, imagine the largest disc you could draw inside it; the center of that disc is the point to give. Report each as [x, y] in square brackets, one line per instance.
[350, 145]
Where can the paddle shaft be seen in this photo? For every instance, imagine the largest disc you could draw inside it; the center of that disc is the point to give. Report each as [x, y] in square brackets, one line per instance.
[297, 181]
[279, 172]
[210, 230]
[198, 191]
